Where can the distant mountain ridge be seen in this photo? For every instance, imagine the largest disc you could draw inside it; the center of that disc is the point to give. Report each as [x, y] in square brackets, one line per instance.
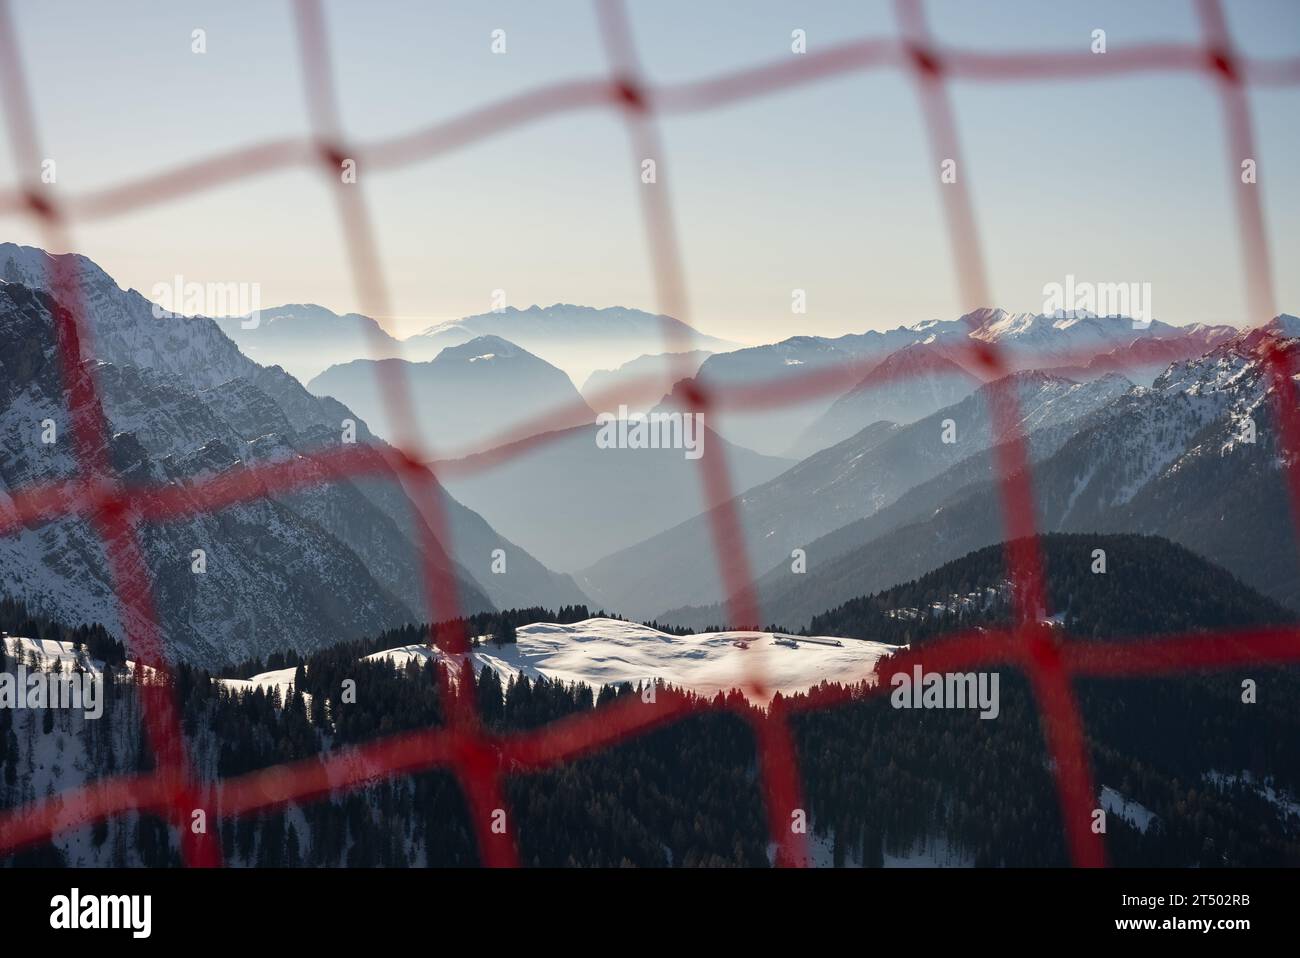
[589, 342]
[1026, 340]
[1171, 460]
[578, 339]
[463, 398]
[647, 378]
[907, 385]
[830, 489]
[306, 339]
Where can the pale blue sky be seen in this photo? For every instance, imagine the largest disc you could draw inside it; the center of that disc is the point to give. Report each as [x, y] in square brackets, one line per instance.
[828, 187]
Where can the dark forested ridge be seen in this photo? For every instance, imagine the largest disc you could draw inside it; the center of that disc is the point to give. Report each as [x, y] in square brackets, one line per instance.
[1150, 586]
[1153, 740]
[878, 783]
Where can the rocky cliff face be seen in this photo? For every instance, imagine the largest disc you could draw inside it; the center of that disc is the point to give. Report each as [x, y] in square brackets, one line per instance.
[303, 569]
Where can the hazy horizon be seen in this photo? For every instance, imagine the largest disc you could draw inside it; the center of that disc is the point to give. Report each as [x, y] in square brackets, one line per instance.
[827, 187]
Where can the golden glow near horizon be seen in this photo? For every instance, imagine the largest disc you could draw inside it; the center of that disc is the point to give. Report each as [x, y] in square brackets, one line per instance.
[826, 188]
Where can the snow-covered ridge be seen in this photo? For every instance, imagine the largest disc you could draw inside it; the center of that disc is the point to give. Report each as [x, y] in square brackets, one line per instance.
[48, 654]
[1286, 805]
[1136, 814]
[51, 655]
[600, 652]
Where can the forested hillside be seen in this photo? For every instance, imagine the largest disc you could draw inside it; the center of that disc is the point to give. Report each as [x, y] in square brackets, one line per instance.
[1183, 766]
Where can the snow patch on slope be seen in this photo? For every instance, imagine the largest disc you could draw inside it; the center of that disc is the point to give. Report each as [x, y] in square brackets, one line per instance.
[1282, 801]
[1139, 816]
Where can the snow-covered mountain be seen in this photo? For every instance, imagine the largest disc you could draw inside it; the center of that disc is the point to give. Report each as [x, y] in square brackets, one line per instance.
[463, 398]
[578, 339]
[305, 568]
[1173, 459]
[774, 430]
[851, 480]
[253, 555]
[907, 385]
[1196, 458]
[1026, 341]
[1143, 360]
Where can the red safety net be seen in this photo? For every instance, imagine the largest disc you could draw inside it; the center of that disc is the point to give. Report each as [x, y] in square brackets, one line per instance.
[476, 755]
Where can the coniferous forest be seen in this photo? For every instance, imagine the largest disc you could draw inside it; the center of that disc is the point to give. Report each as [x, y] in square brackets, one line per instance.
[1198, 780]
